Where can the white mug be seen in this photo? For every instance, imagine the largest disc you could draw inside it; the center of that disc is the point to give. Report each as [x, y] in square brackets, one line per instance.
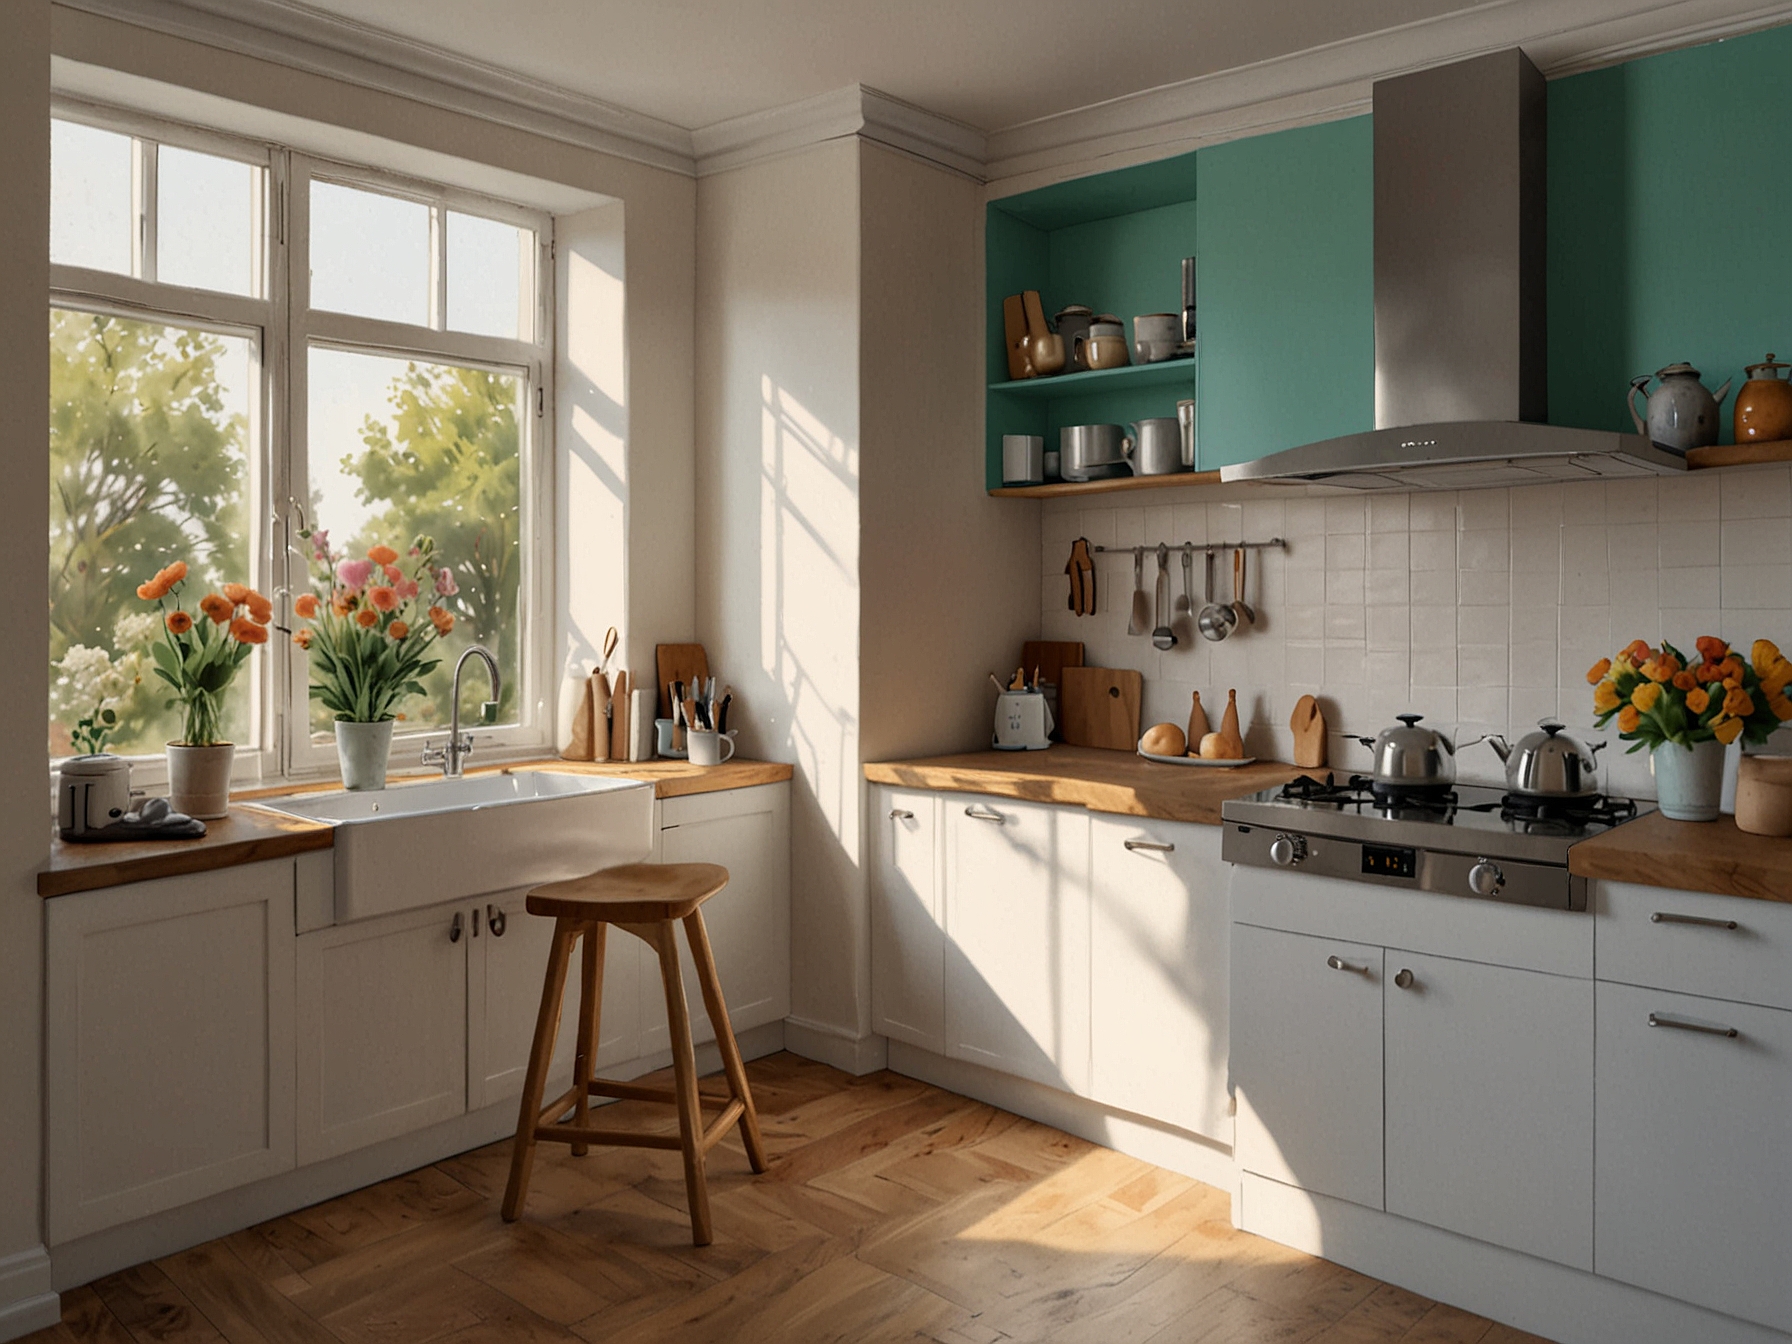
[706, 746]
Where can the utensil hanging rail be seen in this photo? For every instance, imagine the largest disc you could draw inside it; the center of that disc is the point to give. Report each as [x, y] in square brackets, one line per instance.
[1196, 547]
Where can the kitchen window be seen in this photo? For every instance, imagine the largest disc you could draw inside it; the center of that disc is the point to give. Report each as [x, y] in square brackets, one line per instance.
[253, 351]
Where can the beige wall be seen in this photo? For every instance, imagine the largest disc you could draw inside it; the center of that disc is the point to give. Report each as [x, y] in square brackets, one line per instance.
[24, 354]
[951, 587]
[778, 521]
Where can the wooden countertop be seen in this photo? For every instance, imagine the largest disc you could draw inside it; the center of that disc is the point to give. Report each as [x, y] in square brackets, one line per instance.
[250, 834]
[1102, 781]
[1713, 856]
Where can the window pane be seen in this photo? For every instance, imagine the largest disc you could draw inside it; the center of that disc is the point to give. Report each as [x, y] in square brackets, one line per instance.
[206, 221]
[369, 254]
[90, 197]
[401, 448]
[149, 464]
[491, 266]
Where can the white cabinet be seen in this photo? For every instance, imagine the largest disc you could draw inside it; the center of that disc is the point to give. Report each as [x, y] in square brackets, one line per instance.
[747, 831]
[1489, 1102]
[1017, 952]
[383, 1037]
[908, 944]
[168, 1043]
[1694, 1171]
[1158, 926]
[1306, 1061]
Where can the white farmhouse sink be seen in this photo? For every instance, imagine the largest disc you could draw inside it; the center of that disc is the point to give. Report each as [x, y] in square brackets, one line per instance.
[417, 845]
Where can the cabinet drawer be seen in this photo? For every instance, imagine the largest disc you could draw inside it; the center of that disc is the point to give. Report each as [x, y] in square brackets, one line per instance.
[1645, 938]
[1693, 1193]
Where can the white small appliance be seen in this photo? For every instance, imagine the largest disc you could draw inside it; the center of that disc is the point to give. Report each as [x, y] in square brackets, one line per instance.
[92, 793]
[1023, 722]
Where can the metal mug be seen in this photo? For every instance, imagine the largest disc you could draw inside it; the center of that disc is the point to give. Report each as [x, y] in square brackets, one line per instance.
[1157, 447]
[1023, 459]
[1185, 416]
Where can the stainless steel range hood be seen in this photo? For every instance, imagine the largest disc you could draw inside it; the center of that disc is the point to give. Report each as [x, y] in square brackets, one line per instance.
[1461, 368]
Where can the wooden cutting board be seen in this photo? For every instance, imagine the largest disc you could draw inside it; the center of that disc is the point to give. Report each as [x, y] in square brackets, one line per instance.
[1051, 657]
[1099, 707]
[678, 662]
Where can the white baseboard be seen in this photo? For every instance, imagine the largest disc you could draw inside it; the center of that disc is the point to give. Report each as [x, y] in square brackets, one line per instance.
[88, 1258]
[1204, 1159]
[857, 1055]
[27, 1302]
[1559, 1303]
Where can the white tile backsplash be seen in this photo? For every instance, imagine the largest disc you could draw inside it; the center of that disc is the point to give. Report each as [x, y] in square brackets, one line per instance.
[1481, 610]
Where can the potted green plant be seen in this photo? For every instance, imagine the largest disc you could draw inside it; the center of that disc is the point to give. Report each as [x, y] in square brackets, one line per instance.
[371, 626]
[199, 656]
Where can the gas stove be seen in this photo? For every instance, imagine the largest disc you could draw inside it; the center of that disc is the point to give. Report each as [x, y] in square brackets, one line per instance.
[1463, 841]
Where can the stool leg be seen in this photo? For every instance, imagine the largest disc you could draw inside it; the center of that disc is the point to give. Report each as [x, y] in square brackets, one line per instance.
[684, 1071]
[697, 934]
[522, 1152]
[591, 999]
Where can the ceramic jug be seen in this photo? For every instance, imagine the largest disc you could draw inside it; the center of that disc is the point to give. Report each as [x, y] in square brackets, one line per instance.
[1764, 406]
[1682, 412]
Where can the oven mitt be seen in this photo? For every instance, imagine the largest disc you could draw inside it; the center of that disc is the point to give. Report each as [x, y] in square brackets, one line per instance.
[1081, 570]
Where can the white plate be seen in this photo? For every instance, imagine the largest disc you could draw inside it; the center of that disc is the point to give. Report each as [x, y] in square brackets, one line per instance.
[1195, 760]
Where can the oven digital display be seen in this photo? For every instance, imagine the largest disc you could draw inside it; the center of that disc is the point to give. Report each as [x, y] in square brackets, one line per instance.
[1389, 861]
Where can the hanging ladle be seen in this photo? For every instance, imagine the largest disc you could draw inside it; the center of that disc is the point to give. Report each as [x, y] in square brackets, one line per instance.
[1216, 619]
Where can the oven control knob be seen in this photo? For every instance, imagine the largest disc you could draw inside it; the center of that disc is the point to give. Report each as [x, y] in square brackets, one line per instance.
[1288, 850]
[1485, 878]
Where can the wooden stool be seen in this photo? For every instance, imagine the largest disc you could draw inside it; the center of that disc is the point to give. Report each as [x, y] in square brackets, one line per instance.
[646, 900]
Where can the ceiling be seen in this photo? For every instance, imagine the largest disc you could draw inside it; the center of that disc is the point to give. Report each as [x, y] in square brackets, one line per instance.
[991, 64]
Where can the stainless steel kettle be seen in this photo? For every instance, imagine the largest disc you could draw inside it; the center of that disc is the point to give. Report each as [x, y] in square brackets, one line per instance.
[1549, 764]
[1412, 758]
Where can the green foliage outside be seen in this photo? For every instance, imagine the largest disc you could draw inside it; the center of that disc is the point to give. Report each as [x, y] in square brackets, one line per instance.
[148, 465]
[445, 464]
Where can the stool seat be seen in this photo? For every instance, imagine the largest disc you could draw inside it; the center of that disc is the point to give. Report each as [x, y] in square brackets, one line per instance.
[633, 893]
[650, 901]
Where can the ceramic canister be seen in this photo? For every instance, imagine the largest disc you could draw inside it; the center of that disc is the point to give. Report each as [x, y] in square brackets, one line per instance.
[1764, 405]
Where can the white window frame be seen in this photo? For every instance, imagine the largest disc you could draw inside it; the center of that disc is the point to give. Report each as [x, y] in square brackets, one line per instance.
[282, 327]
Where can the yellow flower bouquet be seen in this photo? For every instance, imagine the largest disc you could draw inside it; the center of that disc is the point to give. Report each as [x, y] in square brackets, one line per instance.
[1658, 695]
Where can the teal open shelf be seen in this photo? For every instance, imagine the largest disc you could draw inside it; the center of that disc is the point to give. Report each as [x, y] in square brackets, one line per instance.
[1166, 373]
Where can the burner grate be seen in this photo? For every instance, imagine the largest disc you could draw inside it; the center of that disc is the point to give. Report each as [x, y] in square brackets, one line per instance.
[1359, 790]
[1599, 810]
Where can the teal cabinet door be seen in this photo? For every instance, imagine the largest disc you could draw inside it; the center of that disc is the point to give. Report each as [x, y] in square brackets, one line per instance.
[1286, 290]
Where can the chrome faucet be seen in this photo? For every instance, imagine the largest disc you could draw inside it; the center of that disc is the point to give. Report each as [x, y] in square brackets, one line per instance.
[452, 753]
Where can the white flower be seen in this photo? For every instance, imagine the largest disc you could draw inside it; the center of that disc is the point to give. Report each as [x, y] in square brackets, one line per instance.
[134, 628]
[93, 679]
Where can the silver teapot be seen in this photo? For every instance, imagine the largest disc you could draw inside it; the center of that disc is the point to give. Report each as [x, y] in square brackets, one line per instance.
[1549, 764]
[1681, 411]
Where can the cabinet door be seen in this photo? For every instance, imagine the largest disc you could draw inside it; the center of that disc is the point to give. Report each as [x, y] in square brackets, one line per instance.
[908, 946]
[383, 1046]
[1158, 930]
[507, 958]
[1306, 1061]
[169, 1043]
[747, 831]
[1694, 1185]
[1017, 927]
[1490, 1104]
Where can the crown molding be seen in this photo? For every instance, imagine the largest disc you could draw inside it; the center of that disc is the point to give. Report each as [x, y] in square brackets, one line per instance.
[853, 110]
[297, 36]
[1325, 83]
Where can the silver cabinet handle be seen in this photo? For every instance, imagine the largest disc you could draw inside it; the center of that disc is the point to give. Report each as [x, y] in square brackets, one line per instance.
[897, 814]
[1703, 921]
[1680, 1024]
[1405, 979]
[983, 814]
[1339, 964]
[495, 921]
[454, 929]
[1149, 846]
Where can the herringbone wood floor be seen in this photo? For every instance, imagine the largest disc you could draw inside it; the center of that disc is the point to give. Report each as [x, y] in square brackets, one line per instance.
[892, 1211]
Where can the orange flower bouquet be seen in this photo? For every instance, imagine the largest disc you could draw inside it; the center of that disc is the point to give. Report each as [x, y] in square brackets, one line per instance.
[199, 655]
[371, 626]
[1658, 696]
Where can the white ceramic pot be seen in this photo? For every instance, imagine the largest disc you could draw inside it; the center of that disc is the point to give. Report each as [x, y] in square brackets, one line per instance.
[1689, 782]
[363, 749]
[199, 779]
